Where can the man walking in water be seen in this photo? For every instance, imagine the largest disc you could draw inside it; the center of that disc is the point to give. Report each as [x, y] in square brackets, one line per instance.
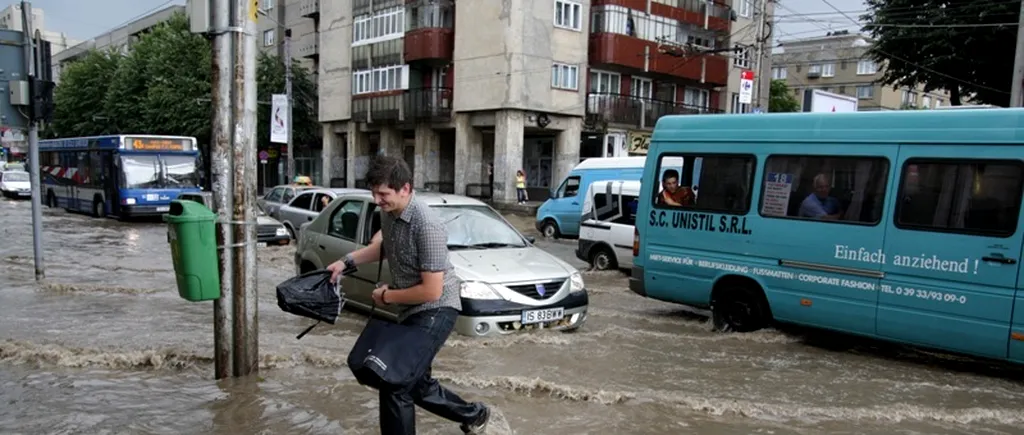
[423, 283]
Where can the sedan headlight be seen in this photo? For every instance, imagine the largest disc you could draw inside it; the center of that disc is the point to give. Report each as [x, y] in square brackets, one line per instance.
[478, 290]
[575, 282]
[281, 231]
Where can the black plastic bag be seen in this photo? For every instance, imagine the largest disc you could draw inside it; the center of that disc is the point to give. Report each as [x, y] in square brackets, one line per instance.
[312, 295]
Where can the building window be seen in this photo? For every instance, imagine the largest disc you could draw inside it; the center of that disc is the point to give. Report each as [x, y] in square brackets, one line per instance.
[638, 24]
[828, 70]
[268, 38]
[865, 92]
[696, 98]
[389, 78]
[268, 4]
[939, 102]
[568, 15]
[866, 67]
[742, 58]
[641, 88]
[744, 8]
[605, 82]
[737, 106]
[848, 190]
[565, 76]
[926, 102]
[378, 27]
[779, 73]
[682, 184]
[908, 100]
[962, 196]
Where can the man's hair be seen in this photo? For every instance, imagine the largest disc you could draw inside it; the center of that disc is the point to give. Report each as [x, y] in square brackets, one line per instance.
[671, 173]
[388, 171]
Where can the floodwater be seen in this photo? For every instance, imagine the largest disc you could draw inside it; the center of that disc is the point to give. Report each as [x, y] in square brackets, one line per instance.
[104, 345]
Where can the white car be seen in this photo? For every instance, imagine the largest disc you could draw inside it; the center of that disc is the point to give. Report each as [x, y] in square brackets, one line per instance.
[15, 184]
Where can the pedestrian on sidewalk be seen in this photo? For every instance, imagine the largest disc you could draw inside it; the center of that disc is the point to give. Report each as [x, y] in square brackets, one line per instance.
[521, 187]
[423, 284]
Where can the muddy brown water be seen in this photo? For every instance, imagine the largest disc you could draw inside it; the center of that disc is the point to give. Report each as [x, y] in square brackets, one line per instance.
[104, 345]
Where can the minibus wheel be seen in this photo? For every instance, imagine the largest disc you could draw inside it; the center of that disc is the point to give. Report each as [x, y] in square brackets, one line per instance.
[738, 307]
[549, 229]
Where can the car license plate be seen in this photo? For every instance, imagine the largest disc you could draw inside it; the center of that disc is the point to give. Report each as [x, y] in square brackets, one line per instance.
[164, 208]
[261, 244]
[539, 316]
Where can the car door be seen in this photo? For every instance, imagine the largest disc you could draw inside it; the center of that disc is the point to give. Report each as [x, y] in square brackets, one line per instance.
[271, 198]
[294, 214]
[566, 206]
[953, 249]
[343, 236]
[368, 274]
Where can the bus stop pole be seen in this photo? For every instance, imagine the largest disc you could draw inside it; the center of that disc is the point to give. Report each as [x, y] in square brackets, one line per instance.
[33, 146]
[220, 164]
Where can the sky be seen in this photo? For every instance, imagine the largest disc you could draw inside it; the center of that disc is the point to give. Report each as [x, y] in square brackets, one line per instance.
[83, 20]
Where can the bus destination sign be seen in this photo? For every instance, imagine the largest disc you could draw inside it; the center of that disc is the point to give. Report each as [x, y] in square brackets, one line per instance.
[158, 144]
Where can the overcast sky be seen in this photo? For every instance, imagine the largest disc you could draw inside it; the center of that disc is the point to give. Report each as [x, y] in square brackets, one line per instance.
[83, 20]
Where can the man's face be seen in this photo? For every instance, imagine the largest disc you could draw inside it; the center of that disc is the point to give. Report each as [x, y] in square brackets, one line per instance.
[821, 190]
[671, 184]
[389, 199]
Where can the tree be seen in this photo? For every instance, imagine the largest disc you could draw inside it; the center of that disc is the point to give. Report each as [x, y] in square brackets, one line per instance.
[780, 99]
[83, 84]
[270, 79]
[916, 44]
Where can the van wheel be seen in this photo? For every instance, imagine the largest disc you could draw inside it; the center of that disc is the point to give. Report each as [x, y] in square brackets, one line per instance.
[602, 258]
[549, 229]
[97, 208]
[739, 307]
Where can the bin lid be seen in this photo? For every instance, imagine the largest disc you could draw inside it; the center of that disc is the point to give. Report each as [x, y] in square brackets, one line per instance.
[183, 210]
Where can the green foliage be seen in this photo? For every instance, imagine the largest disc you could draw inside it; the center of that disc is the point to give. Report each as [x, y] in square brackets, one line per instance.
[780, 99]
[163, 86]
[917, 46]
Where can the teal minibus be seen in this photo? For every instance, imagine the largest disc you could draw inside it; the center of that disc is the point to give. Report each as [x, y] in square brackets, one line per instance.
[901, 226]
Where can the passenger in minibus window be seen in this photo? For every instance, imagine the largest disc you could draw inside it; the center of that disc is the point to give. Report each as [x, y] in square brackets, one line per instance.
[819, 204]
[672, 193]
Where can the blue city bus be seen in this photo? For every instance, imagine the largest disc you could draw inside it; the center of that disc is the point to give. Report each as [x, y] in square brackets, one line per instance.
[900, 226]
[122, 176]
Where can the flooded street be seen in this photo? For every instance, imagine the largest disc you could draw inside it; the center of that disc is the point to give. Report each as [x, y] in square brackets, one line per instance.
[106, 346]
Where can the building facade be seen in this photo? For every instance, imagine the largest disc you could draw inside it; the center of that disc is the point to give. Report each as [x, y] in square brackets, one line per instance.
[529, 85]
[743, 40]
[837, 62]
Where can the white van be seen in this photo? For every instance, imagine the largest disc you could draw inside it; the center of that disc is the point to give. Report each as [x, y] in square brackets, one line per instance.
[606, 225]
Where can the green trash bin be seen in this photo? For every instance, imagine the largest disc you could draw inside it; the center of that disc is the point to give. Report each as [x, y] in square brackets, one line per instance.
[192, 234]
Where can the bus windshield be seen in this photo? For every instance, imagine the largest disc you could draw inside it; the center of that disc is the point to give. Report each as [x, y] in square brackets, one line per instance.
[155, 172]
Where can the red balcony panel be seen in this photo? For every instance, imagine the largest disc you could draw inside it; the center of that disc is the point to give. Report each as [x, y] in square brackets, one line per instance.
[430, 43]
[687, 11]
[626, 51]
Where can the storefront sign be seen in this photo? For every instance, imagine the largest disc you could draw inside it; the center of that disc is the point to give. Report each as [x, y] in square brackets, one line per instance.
[638, 142]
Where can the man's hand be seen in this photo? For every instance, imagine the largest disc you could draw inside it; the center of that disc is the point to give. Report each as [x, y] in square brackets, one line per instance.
[378, 294]
[339, 266]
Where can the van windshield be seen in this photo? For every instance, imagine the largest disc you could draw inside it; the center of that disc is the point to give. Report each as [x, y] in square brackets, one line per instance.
[15, 176]
[477, 227]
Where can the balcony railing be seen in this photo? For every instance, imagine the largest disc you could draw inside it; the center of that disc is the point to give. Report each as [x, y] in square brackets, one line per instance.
[309, 47]
[640, 112]
[309, 8]
[414, 105]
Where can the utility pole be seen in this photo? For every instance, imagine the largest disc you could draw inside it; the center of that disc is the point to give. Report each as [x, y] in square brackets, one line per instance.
[1017, 88]
[232, 23]
[759, 53]
[33, 137]
[288, 93]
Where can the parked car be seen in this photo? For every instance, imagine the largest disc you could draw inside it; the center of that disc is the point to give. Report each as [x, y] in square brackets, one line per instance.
[278, 196]
[306, 206]
[15, 184]
[509, 285]
[268, 230]
[12, 166]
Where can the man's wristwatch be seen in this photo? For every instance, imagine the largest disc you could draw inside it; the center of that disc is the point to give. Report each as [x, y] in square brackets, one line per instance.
[349, 261]
[384, 296]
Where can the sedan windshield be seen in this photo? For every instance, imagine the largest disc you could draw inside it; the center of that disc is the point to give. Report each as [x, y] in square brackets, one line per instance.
[477, 227]
[15, 176]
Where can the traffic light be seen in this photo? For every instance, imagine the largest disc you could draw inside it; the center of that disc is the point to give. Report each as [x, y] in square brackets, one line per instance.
[42, 105]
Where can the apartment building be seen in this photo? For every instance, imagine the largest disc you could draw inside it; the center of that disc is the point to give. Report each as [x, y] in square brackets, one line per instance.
[837, 63]
[11, 19]
[743, 39]
[122, 38]
[455, 87]
[301, 20]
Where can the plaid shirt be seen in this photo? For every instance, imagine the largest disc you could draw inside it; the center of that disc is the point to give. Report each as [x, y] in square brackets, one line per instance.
[414, 242]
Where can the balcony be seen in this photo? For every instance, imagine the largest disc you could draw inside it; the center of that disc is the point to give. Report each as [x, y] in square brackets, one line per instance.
[686, 11]
[639, 112]
[310, 8]
[425, 105]
[309, 47]
[614, 49]
[431, 34]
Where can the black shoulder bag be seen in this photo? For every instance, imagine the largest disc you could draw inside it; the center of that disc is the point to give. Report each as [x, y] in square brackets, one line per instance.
[389, 356]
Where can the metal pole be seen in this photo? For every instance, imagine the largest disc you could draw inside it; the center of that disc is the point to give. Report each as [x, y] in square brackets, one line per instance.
[288, 93]
[223, 204]
[33, 146]
[1017, 88]
[762, 12]
[246, 300]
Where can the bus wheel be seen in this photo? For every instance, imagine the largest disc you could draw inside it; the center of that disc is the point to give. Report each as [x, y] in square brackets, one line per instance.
[738, 307]
[602, 259]
[97, 208]
[549, 229]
